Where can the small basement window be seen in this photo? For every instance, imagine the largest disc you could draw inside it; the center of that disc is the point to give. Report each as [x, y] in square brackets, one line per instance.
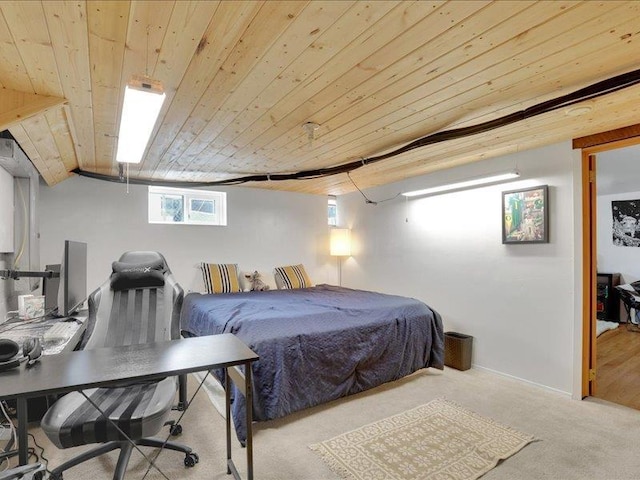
[332, 211]
[187, 206]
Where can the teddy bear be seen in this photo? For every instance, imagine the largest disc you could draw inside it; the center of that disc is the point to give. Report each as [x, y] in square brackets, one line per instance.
[256, 282]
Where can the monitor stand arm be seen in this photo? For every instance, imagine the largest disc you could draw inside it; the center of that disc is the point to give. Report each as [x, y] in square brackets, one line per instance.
[17, 274]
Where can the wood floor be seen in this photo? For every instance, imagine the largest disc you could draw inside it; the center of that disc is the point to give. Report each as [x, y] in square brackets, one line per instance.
[618, 367]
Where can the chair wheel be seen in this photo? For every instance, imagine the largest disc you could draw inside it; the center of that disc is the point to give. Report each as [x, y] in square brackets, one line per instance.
[175, 430]
[191, 459]
[38, 476]
[55, 476]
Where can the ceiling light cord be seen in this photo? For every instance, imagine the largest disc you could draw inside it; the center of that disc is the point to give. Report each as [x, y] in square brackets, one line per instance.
[146, 62]
[590, 92]
[367, 199]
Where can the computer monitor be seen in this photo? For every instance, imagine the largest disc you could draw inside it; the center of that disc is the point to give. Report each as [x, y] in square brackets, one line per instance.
[73, 278]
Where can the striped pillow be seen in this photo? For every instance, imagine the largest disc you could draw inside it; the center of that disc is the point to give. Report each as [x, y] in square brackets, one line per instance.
[292, 276]
[220, 277]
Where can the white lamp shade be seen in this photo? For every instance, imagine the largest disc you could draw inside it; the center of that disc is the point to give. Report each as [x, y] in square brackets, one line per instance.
[340, 242]
[140, 111]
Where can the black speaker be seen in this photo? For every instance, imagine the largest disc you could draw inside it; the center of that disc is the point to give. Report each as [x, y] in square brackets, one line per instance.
[9, 358]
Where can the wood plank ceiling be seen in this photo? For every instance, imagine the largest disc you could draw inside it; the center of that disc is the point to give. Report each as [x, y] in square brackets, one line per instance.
[242, 77]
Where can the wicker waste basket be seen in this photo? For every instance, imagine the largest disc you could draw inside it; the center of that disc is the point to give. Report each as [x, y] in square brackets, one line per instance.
[457, 350]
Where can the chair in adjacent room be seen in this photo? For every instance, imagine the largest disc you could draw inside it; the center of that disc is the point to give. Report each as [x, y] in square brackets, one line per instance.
[140, 303]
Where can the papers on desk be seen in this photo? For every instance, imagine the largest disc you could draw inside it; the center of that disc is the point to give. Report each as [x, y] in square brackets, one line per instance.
[59, 333]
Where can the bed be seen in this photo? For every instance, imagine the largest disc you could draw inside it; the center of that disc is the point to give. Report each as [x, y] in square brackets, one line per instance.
[318, 344]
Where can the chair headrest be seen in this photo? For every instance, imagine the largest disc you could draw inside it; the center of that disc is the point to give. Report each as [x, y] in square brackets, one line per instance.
[141, 256]
[138, 270]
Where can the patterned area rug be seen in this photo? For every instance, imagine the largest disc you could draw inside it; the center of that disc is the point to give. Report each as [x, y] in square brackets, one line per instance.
[439, 440]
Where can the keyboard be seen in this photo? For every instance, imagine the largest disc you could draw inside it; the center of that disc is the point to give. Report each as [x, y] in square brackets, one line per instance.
[59, 332]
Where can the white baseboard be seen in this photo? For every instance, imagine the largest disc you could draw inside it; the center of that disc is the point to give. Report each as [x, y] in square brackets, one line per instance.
[502, 374]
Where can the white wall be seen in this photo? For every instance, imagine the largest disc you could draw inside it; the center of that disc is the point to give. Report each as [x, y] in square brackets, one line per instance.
[6, 211]
[516, 300]
[618, 178]
[613, 258]
[265, 229]
[618, 171]
[6, 237]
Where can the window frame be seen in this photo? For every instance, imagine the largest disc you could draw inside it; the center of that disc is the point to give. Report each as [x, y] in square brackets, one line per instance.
[332, 221]
[219, 200]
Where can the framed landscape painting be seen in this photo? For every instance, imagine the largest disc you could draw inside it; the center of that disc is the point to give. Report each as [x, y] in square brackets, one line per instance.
[525, 217]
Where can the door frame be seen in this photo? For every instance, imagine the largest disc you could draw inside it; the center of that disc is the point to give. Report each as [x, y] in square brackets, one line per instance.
[592, 145]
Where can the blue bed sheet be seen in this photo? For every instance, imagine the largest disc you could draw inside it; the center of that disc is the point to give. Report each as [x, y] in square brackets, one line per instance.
[318, 344]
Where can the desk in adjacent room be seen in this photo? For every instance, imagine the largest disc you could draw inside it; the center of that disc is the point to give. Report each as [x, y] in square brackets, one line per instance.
[608, 304]
[106, 367]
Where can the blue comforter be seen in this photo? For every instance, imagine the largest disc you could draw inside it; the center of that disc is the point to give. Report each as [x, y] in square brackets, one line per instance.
[318, 344]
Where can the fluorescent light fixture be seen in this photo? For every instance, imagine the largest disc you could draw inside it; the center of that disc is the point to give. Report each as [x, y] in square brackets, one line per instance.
[143, 100]
[340, 242]
[464, 184]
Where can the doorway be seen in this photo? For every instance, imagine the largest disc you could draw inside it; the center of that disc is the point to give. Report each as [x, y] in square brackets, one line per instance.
[606, 373]
[618, 263]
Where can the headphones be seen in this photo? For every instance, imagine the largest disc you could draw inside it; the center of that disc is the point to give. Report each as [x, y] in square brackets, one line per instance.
[9, 358]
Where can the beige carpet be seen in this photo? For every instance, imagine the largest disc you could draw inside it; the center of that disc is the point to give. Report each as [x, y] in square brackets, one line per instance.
[577, 440]
[438, 440]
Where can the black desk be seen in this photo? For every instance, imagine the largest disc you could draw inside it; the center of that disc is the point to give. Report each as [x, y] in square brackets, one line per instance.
[20, 330]
[105, 367]
[608, 301]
